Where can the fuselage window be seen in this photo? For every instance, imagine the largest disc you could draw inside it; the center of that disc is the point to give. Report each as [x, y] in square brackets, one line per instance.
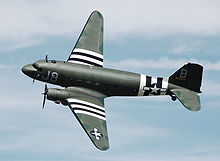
[88, 82]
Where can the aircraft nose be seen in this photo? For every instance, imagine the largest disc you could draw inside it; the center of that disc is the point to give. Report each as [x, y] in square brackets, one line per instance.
[28, 70]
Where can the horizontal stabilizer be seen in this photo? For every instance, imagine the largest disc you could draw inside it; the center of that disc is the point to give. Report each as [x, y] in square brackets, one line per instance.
[189, 99]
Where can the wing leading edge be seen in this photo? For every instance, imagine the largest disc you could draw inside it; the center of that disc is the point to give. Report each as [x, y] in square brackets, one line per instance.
[89, 46]
[90, 112]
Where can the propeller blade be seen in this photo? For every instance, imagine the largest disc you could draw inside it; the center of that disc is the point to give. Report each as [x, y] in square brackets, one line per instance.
[44, 100]
[45, 88]
[46, 57]
[45, 95]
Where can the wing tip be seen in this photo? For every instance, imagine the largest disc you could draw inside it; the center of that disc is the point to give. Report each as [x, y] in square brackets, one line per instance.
[97, 12]
[103, 148]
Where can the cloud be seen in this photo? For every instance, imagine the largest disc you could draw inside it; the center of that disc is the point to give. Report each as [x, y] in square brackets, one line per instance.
[161, 63]
[186, 46]
[188, 154]
[181, 48]
[211, 88]
[25, 23]
[2, 66]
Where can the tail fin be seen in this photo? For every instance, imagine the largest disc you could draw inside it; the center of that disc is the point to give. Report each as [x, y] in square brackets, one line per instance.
[185, 84]
[189, 76]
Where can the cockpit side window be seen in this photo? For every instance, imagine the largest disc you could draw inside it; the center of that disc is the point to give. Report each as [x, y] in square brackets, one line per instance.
[34, 65]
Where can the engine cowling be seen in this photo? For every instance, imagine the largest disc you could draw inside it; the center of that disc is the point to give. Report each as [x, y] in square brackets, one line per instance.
[58, 95]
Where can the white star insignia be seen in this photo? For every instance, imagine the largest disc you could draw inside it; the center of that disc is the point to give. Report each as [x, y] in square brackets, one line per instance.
[154, 89]
[97, 134]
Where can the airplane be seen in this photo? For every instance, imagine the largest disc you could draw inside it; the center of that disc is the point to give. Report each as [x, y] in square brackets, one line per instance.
[87, 83]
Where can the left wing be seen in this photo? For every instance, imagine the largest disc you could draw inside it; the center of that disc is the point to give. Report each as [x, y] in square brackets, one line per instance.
[89, 47]
[88, 107]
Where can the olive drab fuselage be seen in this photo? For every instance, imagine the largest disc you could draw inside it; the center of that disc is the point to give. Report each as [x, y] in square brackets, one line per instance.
[110, 82]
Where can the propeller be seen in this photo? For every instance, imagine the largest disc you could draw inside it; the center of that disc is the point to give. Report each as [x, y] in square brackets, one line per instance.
[46, 57]
[45, 95]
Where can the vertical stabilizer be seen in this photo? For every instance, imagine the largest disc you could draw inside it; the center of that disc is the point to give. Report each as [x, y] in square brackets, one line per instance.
[185, 84]
[189, 76]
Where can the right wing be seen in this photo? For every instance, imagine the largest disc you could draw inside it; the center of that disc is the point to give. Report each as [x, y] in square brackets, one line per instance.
[89, 47]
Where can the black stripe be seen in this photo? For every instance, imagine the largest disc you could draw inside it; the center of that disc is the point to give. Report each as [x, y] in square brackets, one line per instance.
[85, 61]
[148, 84]
[76, 103]
[87, 55]
[148, 81]
[159, 82]
[73, 109]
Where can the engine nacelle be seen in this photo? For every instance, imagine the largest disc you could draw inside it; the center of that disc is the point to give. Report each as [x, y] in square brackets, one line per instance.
[58, 95]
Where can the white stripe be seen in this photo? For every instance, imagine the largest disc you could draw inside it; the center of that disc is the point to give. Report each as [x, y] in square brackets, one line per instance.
[84, 102]
[142, 84]
[87, 108]
[78, 62]
[165, 83]
[88, 52]
[90, 114]
[87, 58]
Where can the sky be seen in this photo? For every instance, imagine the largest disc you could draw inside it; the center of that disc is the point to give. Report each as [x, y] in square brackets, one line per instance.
[152, 37]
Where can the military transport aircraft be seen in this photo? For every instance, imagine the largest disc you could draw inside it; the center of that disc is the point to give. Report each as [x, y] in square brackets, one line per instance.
[87, 83]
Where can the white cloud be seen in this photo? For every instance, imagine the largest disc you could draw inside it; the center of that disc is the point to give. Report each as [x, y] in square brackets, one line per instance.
[211, 88]
[161, 63]
[25, 22]
[197, 153]
[181, 48]
[186, 46]
[2, 66]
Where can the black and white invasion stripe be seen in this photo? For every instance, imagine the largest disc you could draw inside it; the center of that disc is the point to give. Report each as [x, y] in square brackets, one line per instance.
[87, 108]
[86, 57]
[147, 82]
